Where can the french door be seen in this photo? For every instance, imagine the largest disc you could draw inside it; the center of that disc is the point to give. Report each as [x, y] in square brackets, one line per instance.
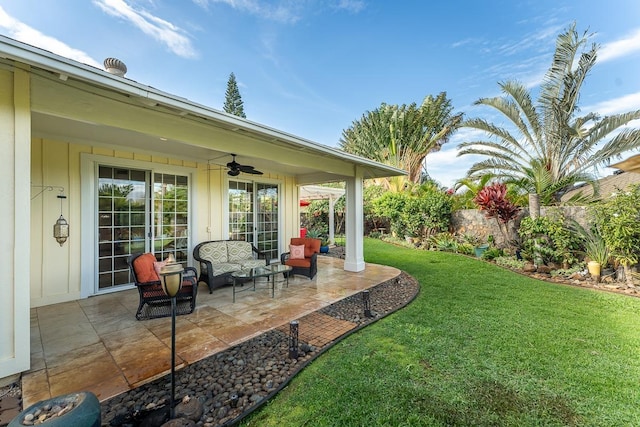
[138, 211]
[253, 215]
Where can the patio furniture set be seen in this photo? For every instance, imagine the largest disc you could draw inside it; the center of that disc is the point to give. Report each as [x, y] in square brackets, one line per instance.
[221, 262]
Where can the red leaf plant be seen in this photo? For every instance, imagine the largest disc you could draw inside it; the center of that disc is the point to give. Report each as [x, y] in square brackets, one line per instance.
[492, 200]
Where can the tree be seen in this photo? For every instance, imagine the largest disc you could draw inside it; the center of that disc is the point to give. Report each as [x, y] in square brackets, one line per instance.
[552, 146]
[402, 136]
[233, 101]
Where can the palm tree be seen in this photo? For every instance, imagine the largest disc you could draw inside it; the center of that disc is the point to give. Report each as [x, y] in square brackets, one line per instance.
[402, 136]
[552, 147]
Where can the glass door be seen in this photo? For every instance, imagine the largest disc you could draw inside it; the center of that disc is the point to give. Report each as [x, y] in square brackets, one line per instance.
[171, 216]
[123, 206]
[138, 214]
[267, 219]
[253, 215]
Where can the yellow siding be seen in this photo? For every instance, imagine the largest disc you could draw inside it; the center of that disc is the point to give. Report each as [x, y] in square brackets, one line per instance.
[55, 270]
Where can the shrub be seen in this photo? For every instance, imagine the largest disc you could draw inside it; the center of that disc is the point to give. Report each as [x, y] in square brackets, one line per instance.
[617, 218]
[390, 206]
[548, 239]
[417, 214]
[375, 235]
[567, 272]
[492, 253]
[444, 242]
[466, 248]
[510, 262]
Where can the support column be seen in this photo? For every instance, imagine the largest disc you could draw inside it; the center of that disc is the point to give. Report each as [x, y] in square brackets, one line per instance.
[332, 220]
[15, 171]
[354, 256]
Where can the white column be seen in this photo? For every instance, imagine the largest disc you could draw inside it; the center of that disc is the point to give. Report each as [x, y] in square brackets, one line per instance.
[354, 256]
[15, 171]
[332, 220]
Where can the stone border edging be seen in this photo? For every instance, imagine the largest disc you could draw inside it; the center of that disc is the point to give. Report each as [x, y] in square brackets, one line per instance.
[328, 346]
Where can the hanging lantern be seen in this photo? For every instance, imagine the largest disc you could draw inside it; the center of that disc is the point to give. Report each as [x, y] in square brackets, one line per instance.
[61, 227]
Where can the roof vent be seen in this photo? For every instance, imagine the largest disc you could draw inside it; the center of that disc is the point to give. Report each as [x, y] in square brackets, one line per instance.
[115, 67]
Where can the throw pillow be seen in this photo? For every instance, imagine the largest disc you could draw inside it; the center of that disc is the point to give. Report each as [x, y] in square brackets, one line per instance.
[143, 266]
[159, 265]
[297, 252]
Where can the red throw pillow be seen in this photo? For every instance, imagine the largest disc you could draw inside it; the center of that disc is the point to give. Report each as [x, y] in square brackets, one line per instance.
[296, 251]
[143, 266]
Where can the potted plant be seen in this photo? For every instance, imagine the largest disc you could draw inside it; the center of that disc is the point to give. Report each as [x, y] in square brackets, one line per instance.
[595, 249]
[479, 246]
[314, 234]
[324, 245]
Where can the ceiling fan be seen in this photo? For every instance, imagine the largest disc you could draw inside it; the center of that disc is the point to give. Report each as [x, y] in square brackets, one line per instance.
[235, 168]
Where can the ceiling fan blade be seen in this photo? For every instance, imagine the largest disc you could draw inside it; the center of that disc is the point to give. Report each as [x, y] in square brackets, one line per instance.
[235, 168]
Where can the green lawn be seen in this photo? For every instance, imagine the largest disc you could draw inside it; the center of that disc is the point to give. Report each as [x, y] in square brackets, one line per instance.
[480, 346]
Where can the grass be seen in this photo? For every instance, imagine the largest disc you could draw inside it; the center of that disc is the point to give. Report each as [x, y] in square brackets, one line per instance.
[480, 346]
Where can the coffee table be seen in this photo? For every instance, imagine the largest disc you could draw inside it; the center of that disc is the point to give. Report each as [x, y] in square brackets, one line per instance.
[268, 271]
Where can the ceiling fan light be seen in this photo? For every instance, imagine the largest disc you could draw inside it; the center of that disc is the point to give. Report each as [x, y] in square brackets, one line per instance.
[234, 172]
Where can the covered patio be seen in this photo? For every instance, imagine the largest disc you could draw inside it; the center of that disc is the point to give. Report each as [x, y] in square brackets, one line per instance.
[96, 344]
[131, 168]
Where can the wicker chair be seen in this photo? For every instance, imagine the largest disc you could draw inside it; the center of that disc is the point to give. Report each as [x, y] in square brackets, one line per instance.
[153, 301]
[307, 266]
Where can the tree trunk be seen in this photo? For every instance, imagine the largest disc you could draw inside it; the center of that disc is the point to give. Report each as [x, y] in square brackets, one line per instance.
[534, 205]
[627, 275]
[534, 213]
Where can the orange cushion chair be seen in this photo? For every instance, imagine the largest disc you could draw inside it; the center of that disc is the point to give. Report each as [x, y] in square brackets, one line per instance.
[153, 301]
[306, 266]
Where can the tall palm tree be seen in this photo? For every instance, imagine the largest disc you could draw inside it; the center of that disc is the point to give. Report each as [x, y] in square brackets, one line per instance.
[551, 147]
[403, 135]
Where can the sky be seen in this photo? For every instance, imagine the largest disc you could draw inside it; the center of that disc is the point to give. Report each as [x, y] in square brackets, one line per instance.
[312, 67]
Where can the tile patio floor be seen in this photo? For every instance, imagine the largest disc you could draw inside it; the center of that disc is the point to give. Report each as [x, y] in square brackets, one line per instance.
[96, 344]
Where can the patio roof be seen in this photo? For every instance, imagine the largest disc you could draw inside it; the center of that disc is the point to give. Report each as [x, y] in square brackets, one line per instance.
[319, 192]
[79, 103]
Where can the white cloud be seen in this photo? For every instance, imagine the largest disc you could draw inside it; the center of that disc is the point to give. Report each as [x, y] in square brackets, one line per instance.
[172, 36]
[623, 104]
[282, 11]
[25, 34]
[620, 48]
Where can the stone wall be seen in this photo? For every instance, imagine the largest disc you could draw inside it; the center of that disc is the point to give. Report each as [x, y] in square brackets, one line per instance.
[472, 221]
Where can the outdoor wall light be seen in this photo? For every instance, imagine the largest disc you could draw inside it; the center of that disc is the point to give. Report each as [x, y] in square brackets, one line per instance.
[61, 227]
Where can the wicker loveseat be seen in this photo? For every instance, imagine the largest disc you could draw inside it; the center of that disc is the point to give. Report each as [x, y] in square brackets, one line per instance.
[219, 258]
[153, 301]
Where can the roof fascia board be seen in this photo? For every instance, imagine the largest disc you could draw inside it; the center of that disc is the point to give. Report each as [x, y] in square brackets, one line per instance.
[35, 57]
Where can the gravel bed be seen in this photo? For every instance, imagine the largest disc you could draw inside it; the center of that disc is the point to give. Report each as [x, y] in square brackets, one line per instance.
[233, 383]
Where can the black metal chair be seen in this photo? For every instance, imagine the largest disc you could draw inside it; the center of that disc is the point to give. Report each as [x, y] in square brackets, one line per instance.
[154, 302]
